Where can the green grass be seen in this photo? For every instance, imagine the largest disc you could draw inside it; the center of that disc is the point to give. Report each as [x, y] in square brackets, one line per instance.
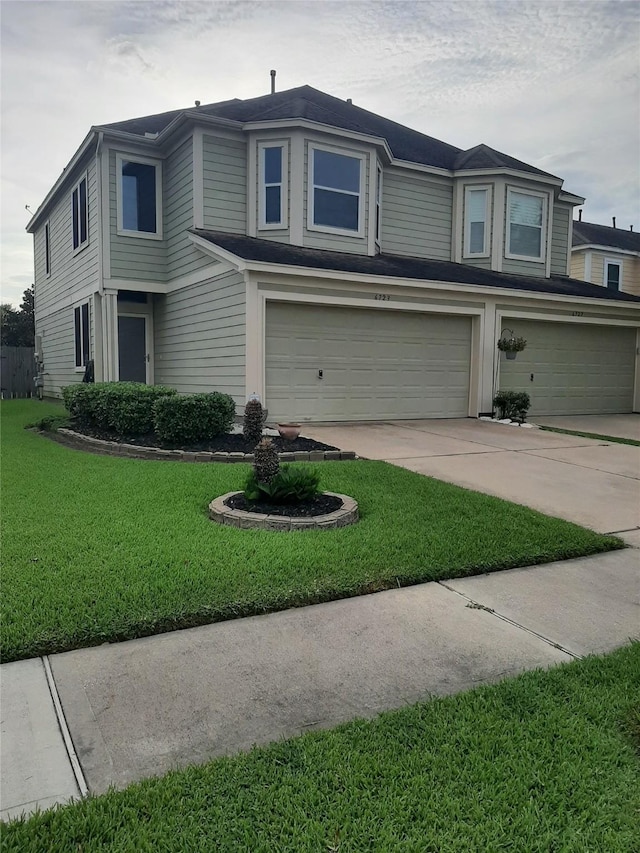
[616, 439]
[102, 549]
[544, 762]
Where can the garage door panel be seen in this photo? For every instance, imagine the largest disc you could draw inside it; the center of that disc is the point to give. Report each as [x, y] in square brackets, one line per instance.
[576, 368]
[375, 363]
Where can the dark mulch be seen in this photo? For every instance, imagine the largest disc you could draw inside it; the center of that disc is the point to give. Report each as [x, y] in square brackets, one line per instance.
[319, 505]
[235, 443]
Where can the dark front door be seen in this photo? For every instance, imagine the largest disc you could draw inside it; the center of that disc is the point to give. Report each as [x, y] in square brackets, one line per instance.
[132, 349]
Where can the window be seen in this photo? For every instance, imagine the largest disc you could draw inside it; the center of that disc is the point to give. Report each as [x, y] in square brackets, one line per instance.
[273, 185]
[525, 225]
[475, 224]
[612, 274]
[80, 215]
[139, 197]
[336, 193]
[81, 321]
[47, 248]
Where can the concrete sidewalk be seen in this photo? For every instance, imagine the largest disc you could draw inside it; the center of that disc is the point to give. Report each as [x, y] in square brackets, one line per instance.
[139, 708]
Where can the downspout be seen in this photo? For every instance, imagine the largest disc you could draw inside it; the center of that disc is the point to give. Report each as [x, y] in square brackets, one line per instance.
[99, 183]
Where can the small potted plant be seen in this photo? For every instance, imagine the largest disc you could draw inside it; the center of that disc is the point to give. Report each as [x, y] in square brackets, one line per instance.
[510, 345]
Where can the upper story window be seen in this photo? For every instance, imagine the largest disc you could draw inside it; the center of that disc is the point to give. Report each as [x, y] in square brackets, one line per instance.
[81, 326]
[526, 214]
[476, 210]
[47, 248]
[80, 214]
[273, 184]
[139, 196]
[612, 274]
[335, 192]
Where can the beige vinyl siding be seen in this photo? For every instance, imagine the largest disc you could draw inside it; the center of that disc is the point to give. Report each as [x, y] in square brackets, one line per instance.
[199, 337]
[58, 346]
[577, 265]
[225, 184]
[134, 257]
[182, 255]
[560, 239]
[69, 272]
[631, 276]
[630, 269]
[416, 215]
[324, 239]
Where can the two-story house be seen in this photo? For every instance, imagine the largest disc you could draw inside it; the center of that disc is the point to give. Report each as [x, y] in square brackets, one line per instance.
[340, 265]
[606, 256]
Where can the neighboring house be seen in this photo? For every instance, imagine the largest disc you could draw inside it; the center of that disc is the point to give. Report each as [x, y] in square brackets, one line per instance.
[606, 256]
[342, 266]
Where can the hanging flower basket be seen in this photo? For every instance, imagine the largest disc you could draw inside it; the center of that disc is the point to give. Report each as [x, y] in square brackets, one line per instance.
[510, 346]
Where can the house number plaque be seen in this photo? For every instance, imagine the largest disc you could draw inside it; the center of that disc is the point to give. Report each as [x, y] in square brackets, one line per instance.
[382, 296]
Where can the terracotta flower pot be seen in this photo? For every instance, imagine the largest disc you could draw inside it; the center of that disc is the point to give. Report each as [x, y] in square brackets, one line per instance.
[289, 431]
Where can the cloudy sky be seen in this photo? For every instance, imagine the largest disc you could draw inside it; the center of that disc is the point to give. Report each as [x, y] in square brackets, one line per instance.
[552, 83]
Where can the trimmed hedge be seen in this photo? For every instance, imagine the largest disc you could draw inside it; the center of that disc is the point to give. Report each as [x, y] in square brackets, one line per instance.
[193, 418]
[124, 408]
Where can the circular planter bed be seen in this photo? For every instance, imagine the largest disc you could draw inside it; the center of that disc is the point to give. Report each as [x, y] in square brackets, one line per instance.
[226, 510]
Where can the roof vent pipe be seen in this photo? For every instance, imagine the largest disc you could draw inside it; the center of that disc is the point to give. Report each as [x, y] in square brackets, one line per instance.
[631, 228]
[580, 215]
[614, 221]
[273, 81]
[349, 101]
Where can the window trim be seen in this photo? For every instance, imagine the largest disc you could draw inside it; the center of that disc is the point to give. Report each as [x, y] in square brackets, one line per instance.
[378, 202]
[485, 253]
[81, 336]
[329, 229]
[611, 262]
[82, 244]
[543, 227]
[263, 225]
[148, 161]
[47, 248]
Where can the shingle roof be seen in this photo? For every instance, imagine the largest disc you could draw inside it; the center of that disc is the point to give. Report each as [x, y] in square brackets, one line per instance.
[587, 233]
[305, 102]
[398, 266]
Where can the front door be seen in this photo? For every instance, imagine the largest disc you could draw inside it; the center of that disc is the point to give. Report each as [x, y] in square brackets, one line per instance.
[132, 348]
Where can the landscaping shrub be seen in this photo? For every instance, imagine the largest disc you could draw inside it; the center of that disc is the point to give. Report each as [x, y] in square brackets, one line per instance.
[253, 421]
[266, 461]
[289, 486]
[194, 417]
[512, 404]
[51, 423]
[123, 408]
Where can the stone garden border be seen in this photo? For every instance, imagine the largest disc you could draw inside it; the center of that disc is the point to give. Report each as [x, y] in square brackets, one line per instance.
[114, 448]
[342, 517]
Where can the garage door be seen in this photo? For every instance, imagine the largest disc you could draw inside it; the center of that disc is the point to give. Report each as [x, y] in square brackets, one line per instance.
[572, 369]
[359, 364]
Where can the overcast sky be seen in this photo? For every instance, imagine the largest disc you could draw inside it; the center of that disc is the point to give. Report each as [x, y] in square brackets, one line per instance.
[552, 83]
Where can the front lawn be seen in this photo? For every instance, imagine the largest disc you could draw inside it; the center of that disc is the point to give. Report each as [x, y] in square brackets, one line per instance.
[99, 549]
[544, 762]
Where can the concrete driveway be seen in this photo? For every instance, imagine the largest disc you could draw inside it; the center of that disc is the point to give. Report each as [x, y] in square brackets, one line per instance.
[590, 482]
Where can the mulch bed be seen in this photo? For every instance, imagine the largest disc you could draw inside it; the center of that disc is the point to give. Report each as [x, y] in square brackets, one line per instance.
[231, 443]
[320, 505]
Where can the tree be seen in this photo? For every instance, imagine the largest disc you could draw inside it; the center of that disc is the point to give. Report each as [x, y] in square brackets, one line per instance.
[18, 327]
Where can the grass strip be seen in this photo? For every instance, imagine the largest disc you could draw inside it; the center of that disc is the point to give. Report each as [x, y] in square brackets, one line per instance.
[98, 548]
[544, 762]
[615, 439]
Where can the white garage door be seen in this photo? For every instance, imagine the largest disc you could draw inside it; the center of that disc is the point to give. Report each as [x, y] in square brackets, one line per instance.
[333, 364]
[572, 369]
